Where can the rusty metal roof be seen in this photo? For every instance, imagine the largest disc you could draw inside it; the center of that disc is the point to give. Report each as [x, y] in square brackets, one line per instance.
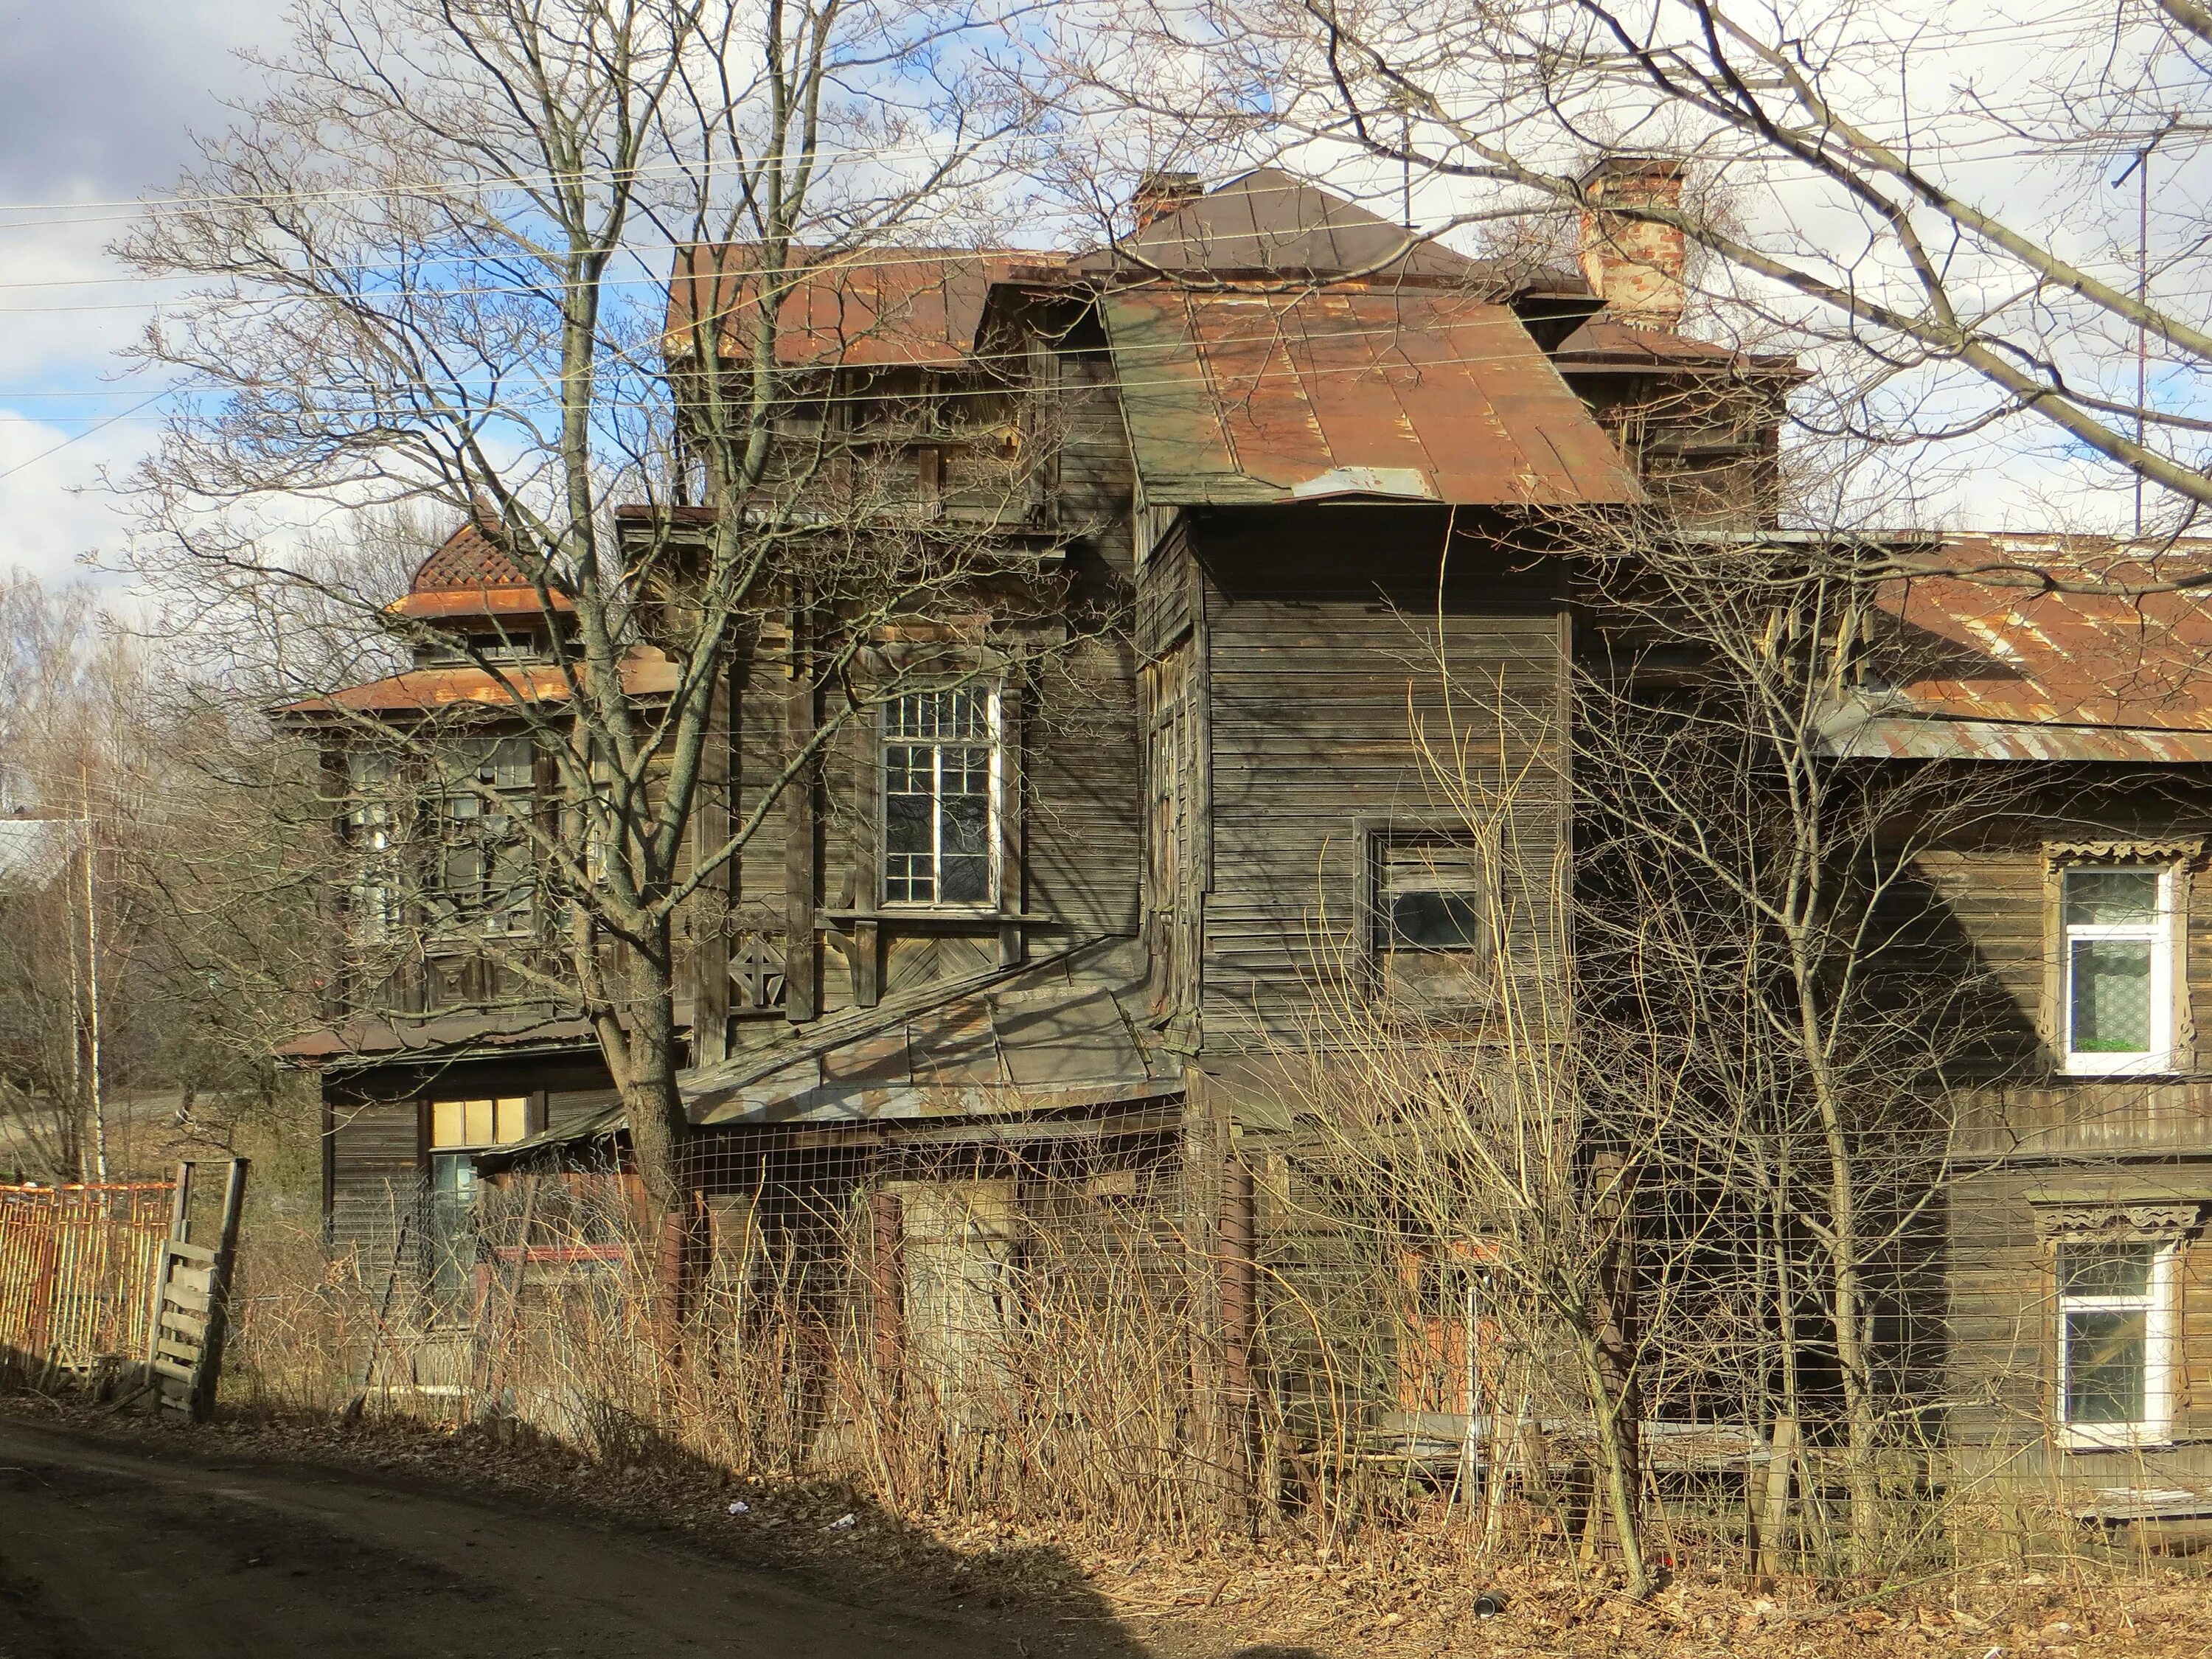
[1350, 389]
[882, 308]
[471, 575]
[1971, 669]
[645, 672]
[1604, 344]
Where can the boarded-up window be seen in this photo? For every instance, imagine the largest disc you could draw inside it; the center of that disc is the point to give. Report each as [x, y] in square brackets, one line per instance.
[1428, 913]
[960, 1246]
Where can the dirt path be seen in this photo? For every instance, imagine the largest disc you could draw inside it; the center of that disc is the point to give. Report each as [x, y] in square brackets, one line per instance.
[108, 1550]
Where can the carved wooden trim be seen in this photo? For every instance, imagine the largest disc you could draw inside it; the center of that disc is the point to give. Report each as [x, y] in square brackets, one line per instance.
[2118, 1220]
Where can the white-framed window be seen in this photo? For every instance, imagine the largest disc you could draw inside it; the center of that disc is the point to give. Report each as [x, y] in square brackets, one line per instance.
[2116, 968]
[2115, 1333]
[941, 782]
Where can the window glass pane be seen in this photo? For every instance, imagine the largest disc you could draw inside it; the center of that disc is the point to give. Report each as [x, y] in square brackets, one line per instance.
[2110, 996]
[513, 1117]
[476, 1120]
[1432, 920]
[2111, 898]
[937, 822]
[2105, 1366]
[445, 1124]
[2106, 1270]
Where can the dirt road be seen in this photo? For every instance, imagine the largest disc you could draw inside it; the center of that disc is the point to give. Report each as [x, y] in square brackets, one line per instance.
[105, 1551]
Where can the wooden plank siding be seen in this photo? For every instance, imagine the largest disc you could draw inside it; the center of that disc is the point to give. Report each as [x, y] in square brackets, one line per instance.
[2028, 1132]
[1322, 652]
[2001, 1326]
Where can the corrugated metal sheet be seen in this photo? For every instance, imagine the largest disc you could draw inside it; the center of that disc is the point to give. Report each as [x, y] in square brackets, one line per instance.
[1424, 394]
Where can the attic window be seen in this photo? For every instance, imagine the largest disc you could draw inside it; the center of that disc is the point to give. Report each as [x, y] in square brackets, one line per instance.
[500, 647]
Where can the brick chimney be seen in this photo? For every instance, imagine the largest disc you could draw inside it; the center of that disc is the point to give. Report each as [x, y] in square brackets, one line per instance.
[1634, 265]
[1159, 194]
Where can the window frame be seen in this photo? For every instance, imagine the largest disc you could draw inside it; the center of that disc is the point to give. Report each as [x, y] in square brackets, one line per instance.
[2157, 1303]
[2167, 969]
[1381, 940]
[503, 901]
[993, 692]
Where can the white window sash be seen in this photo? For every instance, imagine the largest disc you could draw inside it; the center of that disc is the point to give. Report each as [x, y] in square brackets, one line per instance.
[2159, 934]
[2155, 1427]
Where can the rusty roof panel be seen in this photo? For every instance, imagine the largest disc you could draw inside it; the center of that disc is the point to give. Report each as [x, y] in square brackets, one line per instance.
[1972, 649]
[885, 307]
[1242, 397]
[645, 673]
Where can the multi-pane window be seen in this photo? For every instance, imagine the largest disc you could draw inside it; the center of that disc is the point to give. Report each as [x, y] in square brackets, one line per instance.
[372, 900]
[2113, 1339]
[483, 856]
[940, 797]
[2116, 968]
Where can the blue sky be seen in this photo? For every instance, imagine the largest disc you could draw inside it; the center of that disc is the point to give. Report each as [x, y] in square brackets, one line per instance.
[98, 100]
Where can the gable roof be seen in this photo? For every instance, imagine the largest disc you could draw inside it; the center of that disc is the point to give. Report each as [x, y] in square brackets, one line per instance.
[1267, 222]
[1424, 394]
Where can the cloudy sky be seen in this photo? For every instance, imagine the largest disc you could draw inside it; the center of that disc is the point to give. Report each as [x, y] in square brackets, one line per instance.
[98, 100]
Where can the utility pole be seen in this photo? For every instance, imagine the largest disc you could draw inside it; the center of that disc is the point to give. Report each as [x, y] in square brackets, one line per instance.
[92, 979]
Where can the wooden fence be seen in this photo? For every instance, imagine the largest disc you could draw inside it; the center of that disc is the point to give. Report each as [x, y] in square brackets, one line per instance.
[76, 1269]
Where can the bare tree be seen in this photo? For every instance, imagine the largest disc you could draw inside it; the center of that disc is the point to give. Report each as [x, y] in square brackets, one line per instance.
[431, 269]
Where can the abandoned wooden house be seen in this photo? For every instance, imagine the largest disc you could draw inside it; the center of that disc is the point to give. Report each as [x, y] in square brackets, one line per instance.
[1035, 941]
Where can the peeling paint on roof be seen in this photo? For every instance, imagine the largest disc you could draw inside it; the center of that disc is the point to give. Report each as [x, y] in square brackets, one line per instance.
[1248, 398]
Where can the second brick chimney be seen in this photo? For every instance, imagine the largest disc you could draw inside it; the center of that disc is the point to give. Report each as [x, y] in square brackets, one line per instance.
[1159, 194]
[1634, 265]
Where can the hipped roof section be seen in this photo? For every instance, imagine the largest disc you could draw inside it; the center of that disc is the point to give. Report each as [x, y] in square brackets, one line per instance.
[646, 672]
[1976, 671]
[880, 307]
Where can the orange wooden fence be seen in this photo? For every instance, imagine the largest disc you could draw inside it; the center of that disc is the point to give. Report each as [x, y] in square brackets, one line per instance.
[76, 1269]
